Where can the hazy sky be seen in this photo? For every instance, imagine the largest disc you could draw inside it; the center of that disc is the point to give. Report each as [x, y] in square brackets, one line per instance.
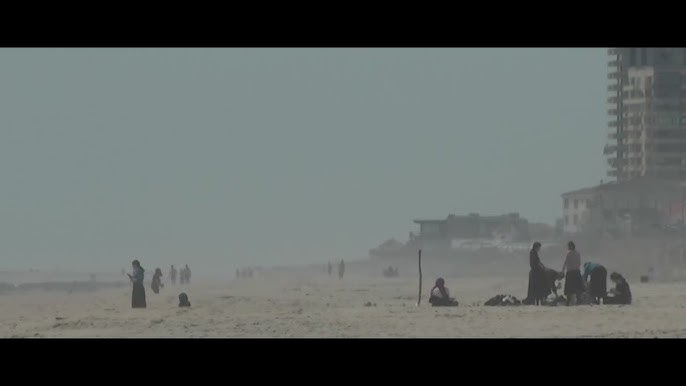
[222, 157]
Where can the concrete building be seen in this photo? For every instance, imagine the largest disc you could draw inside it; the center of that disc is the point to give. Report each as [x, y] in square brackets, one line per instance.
[626, 208]
[647, 108]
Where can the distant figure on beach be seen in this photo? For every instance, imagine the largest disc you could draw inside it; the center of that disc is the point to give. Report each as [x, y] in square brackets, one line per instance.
[439, 295]
[598, 283]
[330, 268]
[138, 292]
[621, 294]
[238, 273]
[123, 272]
[156, 281]
[538, 286]
[172, 275]
[183, 300]
[573, 282]
[187, 274]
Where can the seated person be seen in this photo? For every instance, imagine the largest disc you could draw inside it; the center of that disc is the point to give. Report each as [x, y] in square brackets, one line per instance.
[621, 294]
[183, 300]
[440, 295]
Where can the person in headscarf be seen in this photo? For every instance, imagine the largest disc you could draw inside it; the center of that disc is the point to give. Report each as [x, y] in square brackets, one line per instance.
[598, 284]
[621, 294]
[156, 281]
[183, 300]
[538, 286]
[573, 283]
[138, 292]
[188, 274]
[440, 296]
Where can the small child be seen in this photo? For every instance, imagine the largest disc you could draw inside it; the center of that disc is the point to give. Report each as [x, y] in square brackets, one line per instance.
[183, 300]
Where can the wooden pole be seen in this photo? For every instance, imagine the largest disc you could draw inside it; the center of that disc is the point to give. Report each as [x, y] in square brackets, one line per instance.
[419, 294]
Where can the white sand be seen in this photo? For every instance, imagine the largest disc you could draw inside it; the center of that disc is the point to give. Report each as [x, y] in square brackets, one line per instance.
[309, 304]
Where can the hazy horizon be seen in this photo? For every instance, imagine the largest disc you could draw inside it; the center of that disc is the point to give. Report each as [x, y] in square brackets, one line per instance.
[228, 157]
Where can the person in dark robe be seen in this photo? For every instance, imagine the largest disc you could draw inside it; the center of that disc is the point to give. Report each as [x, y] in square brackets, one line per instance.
[183, 300]
[597, 288]
[621, 294]
[538, 286]
[573, 283]
[138, 292]
[329, 269]
[156, 281]
[440, 296]
[172, 275]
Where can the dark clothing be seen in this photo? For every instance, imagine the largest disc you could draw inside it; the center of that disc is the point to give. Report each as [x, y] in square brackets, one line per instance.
[551, 276]
[598, 282]
[442, 302]
[538, 287]
[183, 300]
[138, 295]
[156, 283]
[573, 284]
[622, 294]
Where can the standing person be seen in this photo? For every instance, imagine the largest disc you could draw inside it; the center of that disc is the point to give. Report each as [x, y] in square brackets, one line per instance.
[341, 269]
[156, 281]
[537, 290]
[598, 284]
[188, 274]
[572, 267]
[330, 268]
[138, 292]
[172, 275]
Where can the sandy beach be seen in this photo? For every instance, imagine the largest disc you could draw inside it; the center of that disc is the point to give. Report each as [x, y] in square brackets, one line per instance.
[308, 303]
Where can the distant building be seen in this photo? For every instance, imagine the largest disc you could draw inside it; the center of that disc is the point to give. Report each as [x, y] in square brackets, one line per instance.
[647, 126]
[442, 233]
[636, 205]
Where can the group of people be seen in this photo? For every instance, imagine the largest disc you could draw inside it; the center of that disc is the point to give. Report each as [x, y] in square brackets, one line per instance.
[390, 272]
[137, 277]
[341, 269]
[184, 275]
[579, 288]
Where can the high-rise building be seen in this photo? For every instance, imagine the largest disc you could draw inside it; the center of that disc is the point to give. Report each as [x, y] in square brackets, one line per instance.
[647, 108]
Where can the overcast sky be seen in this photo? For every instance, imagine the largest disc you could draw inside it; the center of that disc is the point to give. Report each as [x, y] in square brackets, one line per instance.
[223, 157]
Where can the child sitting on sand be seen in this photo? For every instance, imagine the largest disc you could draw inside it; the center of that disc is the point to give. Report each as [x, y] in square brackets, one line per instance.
[183, 300]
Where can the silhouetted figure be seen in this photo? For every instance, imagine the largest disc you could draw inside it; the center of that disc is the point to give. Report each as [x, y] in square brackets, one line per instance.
[185, 275]
[341, 269]
[238, 274]
[123, 272]
[538, 287]
[330, 268]
[598, 283]
[621, 294]
[439, 295]
[156, 281]
[573, 282]
[138, 292]
[172, 275]
[183, 300]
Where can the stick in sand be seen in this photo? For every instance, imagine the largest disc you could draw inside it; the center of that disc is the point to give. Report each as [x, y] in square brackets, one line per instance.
[419, 294]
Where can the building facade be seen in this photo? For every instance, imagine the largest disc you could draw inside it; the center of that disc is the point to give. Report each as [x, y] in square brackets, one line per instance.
[647, 108]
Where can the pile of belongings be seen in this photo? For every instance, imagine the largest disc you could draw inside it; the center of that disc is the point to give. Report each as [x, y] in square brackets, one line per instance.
[503, 300]
[554, 300]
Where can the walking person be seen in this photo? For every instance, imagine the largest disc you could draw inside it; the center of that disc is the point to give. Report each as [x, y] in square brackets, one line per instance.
[341, 269]
[172, 275]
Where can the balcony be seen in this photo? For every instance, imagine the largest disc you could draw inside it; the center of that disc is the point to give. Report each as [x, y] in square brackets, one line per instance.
[613, 75]
[612, 111]
[612, 124]
[612, 100]
[613, 87]
[612, 173]
[613, 51]
[613, 63]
